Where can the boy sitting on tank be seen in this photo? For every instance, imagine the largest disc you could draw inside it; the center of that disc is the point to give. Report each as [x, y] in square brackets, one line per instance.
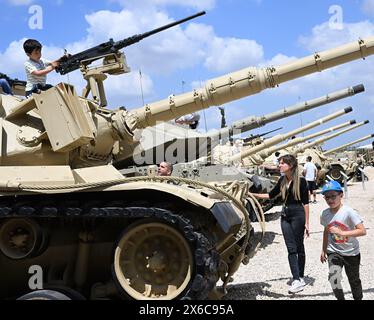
[37, 68]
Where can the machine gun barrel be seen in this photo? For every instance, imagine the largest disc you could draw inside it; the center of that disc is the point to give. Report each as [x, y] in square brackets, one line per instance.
[73, 62]
[261, 135]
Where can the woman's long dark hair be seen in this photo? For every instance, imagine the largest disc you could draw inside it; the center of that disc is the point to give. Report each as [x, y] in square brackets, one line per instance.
[292, 162]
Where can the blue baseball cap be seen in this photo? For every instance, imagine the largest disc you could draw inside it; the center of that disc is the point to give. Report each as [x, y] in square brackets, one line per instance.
[332, 186]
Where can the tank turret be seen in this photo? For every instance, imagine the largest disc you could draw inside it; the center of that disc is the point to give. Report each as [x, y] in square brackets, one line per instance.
[331, 151]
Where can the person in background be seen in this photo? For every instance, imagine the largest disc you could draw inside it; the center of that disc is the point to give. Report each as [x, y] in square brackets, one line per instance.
[5, 86]
[165, 169]
[293, 190]
[340, 246]
[310, 173]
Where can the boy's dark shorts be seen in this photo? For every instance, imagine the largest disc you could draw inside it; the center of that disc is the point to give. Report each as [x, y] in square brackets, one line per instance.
[312, 185]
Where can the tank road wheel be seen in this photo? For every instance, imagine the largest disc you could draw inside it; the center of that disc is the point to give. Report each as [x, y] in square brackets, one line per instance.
[153, 260]
[21, 238]
[163, 257]
[335, 173]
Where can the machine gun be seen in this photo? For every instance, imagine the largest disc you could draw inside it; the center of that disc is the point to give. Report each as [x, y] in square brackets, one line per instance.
[13, 82]
[252, 137]
[69, 63]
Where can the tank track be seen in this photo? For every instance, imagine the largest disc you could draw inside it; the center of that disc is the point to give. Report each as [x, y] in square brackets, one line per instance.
[206, 259]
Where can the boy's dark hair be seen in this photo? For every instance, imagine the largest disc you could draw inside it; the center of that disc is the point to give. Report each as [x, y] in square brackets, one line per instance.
[309, 158]
[30, 45]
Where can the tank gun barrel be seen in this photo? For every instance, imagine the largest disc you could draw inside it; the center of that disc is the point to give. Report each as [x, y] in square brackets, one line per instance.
[279, 138]
[348, 144]
[69, 63]
[254, 122]
[332, 136]
[267, 152]
[245, 82]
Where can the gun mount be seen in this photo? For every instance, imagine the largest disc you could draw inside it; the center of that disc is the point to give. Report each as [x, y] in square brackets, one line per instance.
[114, 61]
[70, 63]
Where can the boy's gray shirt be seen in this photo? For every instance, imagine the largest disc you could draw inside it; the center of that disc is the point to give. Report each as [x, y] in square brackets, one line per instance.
[30, 66]
[345, 219]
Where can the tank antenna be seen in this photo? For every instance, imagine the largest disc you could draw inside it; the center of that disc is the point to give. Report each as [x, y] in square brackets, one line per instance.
[141, 84]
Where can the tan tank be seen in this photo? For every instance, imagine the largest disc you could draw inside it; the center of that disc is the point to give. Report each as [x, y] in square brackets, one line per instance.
[282, 137]
[352, 161]
[71, 218]
[253, 122]
[221, 153]
[300, 140]
[323, 163]
[347, 145]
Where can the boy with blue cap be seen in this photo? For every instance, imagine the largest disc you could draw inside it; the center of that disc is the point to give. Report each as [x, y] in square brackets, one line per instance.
[340, 246]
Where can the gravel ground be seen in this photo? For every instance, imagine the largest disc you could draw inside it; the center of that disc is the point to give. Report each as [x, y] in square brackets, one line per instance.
[267, 275]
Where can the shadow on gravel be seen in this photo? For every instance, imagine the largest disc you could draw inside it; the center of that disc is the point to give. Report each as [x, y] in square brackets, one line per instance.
[272, 216]
[259, 290]
[266, 241]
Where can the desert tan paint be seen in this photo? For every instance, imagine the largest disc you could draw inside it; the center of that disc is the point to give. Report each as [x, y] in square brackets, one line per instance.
[267, 152]
[282, 137]
[247, 82]
[332, 136]
[328, 152]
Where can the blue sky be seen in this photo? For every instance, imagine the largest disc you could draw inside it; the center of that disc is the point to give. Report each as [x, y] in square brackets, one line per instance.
[232, 35]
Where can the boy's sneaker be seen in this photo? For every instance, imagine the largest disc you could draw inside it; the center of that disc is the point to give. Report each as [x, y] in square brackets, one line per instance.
[296, 286]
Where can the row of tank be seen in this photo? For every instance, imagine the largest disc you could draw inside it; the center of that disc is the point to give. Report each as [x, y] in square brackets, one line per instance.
[68, 213]
[203, 157]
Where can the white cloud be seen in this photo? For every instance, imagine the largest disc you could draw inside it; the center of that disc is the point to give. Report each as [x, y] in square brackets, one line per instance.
[20, 2]
[323, 37]
[197, 4]
[368, 7]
